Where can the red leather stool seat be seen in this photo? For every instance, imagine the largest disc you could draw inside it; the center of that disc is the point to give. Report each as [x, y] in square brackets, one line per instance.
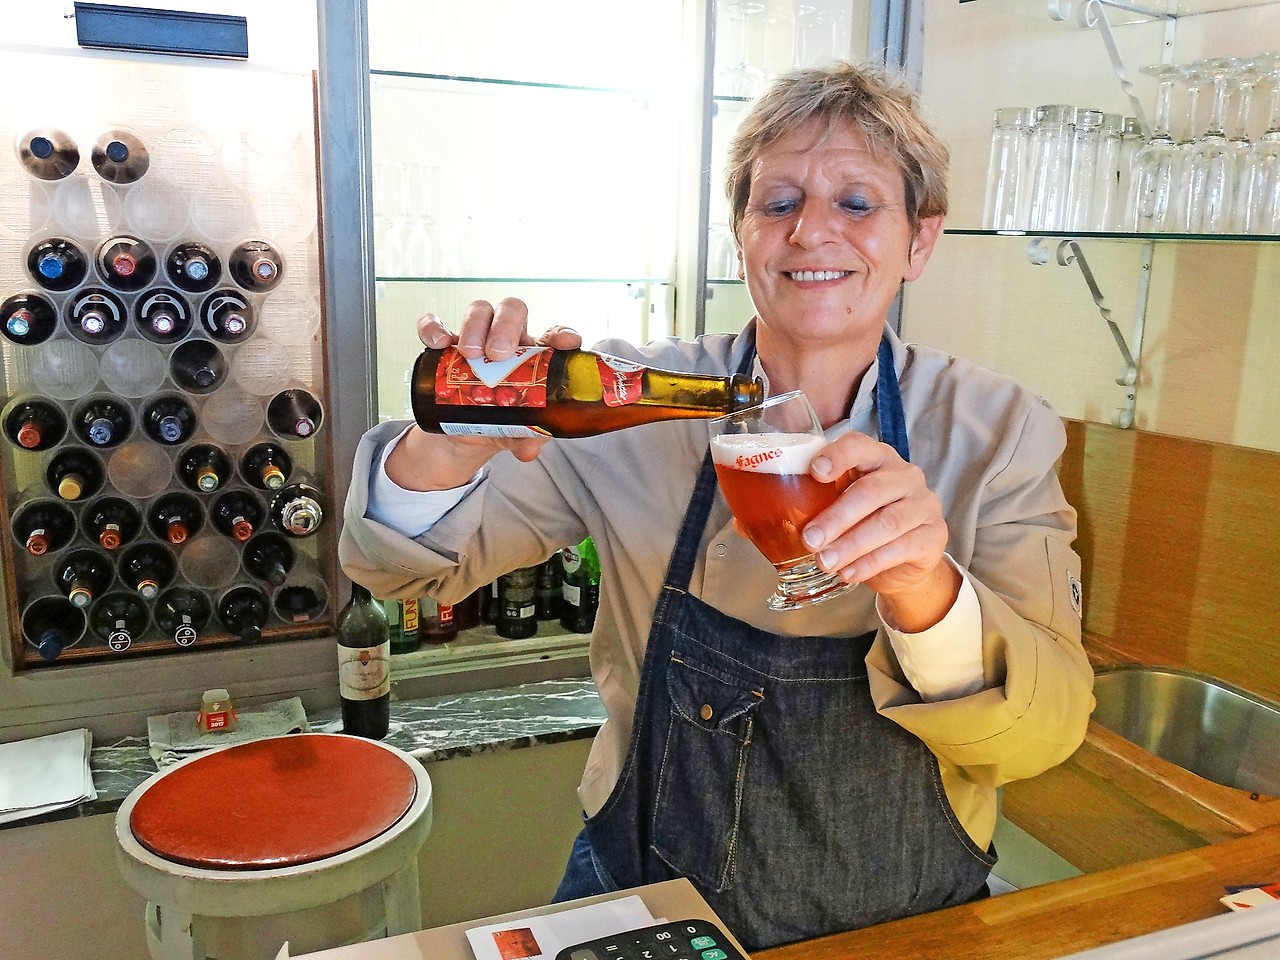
[274, 803]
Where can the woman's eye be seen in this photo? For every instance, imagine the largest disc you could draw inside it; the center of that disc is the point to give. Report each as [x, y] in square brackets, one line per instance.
[857, 204]
[780, 208]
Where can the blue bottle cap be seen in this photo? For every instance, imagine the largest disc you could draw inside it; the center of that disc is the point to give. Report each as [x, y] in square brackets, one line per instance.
[18, 325]
[170, 429]
[101, 431]
[51, 265]
[117, 152]
[41, 148]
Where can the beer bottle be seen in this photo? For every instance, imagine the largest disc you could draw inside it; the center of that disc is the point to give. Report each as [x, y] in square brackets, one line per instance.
[35, 424]
[193, 267]
[364, 666]
[120, 156]
[517, 604]
[48, 154]
[562, 393]
[147, 568]
[268, 556]
[111, 522]
[119, 619]
[74, 474]
[97, 316]
[237, 514]
[102, 422]
[256, 266]
[296, 510]
[266, 466]
[243, 611]
[198, 366]
[57, 264]
[169, 419]
[294, 414]
[42, 526]
[162, 316]
[227, 316]
[203, 467]
[175, 517]
[82, 576]
[28, 318]
[580, 591]
[182, 614]
[126, 262]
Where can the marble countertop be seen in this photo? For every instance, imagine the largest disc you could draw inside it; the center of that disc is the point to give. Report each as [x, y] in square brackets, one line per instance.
[430, 729]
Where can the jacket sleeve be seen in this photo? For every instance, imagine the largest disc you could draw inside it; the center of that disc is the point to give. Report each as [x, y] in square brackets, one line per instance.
[1034, 708]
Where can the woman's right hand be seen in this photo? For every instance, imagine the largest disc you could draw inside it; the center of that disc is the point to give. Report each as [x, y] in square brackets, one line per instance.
[428, 461]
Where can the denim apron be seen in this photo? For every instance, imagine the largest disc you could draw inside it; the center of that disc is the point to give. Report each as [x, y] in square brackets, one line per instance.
[759, 768]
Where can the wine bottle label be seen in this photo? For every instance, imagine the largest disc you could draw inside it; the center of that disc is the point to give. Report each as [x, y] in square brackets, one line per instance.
[519, 381]
[410, 615]
[622, 380]
[364, 673]
[572, 594]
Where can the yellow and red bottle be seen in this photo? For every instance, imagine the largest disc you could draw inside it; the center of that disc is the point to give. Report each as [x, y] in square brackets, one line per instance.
[266, 466]
[563, 393]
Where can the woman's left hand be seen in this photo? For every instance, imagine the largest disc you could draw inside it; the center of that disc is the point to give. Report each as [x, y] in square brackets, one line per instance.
[886, 530]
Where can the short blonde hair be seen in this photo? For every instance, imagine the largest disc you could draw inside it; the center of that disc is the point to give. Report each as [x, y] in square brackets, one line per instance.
[879, 104]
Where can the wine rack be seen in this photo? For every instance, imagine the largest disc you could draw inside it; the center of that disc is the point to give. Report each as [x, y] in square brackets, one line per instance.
[164, 457]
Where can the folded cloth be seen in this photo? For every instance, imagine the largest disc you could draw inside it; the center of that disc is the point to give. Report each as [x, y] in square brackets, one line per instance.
[175, 736]
[45, 774]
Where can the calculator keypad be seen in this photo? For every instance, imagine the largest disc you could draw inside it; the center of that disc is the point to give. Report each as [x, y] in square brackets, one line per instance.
[677, 940]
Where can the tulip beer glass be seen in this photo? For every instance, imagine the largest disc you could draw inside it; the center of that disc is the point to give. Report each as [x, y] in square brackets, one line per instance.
[761, 456]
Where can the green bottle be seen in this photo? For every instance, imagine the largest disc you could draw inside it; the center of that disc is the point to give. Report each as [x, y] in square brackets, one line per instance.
[580, 588]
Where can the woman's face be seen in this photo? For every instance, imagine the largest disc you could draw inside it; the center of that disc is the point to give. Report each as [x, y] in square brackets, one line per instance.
[826, 240]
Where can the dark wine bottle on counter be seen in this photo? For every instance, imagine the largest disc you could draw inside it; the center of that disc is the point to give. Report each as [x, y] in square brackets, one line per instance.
[237, 514]
[296, 510]
[35, 424]
[28, 318]
[198, 366]
[96, 316]
[57, 264]
[51, 624]
[120, 156]
[266, 466]
[193, 267]
[162, 315]
[269, 557]
[256, 265]
[182, 614]
[74, 474]
[227, 316]
[364, 666]
[102, 422]
[147, 568]
[243, 611]
[111, 522]
[547, 591]
[169, 419]
[48, 154]
[518, 604]
[119, 619]
[126, 262]
[175, 517]
[294, 414]
[42, 526]
[204, 467]
[82, 576]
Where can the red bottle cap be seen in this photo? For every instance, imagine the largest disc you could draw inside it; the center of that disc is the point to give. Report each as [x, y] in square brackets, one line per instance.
[177, 532]
[29, 435]
[124, 264]
[37, 543]
[241, 529]
[109, 538]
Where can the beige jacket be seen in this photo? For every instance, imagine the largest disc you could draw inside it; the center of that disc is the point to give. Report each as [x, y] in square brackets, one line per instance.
[988, 449]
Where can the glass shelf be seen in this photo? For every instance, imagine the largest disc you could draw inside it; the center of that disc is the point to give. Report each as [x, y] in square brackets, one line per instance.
[645, 281]
[1128, 11]
[1131, 237]
[499, 81]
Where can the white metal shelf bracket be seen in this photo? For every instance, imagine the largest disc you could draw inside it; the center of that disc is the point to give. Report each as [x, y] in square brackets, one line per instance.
[1093, 13]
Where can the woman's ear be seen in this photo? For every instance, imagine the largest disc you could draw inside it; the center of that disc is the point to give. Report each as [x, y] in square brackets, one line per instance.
[922, 244]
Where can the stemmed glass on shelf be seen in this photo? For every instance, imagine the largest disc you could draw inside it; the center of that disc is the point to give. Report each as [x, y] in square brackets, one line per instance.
[1258, 203]
[1157, 163]
[740, 79]
[1210, 176]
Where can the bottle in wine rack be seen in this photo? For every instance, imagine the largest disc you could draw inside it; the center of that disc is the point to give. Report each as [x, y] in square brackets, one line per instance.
[35, 424]
[256, 265]
[294, 414]
[243, 611]
[102, 421]
[126, 262]
[364, 666]
[42, 526]
[175, 517]
[296, 510]
[96, 316]
[74, 474]
[169, 419]
[147, 568]
[266, 466]
[162, 315]
[302, 601]
[237, 514]
[269, 557]
[198, 366]
[193, 267]
[82, 575]
[120, 156]
[182, 614]
[119, 619]
[204, 467]
[51, 624]
[48, 154]
[111, 522]
[57, 264]
[28, 318]
[227, 316]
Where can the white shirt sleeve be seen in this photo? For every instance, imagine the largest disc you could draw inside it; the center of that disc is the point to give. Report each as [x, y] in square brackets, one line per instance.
[411, 512]
[943, 662]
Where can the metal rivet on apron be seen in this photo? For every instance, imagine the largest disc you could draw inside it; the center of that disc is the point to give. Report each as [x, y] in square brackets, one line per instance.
[706, 712]
[721, 549]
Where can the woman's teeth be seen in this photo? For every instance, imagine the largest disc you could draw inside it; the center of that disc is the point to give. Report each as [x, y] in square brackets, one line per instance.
[805, 276]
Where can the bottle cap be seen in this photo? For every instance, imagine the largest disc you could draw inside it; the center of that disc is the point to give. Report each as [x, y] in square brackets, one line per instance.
[29, 435]
[80, 596]
[241, 529]
[301, 516]
[207, 479]
[148, 588]
[235, 323]
[71, 487]
[124, 264]
[37, 543]
[197, 268]
[272, 477]
[117, 152]
[163, 322]
[264, 269]
[170, 429]
[109, 538]
[50, 266]
[176, 532]
[304, 426]
[101, 431]
[19, 323]
[41, 148]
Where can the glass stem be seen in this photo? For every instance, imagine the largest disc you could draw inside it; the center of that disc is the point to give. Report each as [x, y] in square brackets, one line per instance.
[1193, 100]
[1164, 101]
[1218, 118]
[1243, 102]
[1273, 115]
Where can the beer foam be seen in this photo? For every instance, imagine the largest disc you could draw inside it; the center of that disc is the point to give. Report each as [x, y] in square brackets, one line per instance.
[766, 452]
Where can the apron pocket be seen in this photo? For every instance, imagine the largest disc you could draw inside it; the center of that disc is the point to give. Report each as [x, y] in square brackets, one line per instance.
[700, 785]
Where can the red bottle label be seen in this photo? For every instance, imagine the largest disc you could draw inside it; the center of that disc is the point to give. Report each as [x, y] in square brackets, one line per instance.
[518, 382]
[622, 380]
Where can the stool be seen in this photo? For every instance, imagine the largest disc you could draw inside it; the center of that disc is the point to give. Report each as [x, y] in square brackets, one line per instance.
[272, 827]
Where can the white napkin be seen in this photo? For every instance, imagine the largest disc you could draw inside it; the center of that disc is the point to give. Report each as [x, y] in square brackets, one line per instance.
[44, 774]
[175, 736]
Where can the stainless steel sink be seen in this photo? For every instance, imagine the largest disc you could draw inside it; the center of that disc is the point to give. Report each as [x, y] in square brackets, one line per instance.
[1215, 730]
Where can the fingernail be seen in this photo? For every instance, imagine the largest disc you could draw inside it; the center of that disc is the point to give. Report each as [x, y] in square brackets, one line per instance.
[500, 346]
[827, 559]
[470, 345]
[813, 537]
[820, 466]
